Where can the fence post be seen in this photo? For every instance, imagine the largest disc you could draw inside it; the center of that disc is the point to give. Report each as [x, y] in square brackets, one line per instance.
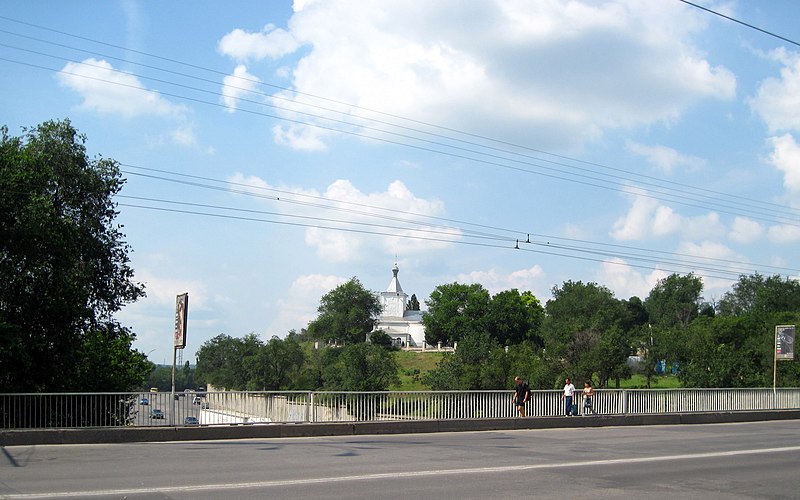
[310, 417]
[624, 402]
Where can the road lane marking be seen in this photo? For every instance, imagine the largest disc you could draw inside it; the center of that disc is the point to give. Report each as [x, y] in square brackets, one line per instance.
[392, 475]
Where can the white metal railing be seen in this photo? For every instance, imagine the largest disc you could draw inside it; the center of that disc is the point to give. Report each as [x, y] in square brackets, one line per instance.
[73, 410]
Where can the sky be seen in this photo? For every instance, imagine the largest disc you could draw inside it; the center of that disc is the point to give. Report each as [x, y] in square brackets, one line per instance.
[274, 150]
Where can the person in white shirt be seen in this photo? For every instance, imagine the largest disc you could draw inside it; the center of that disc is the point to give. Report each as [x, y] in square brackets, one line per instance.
[569, 391]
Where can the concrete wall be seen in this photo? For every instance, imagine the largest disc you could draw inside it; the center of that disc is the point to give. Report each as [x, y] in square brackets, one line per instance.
[284, 430]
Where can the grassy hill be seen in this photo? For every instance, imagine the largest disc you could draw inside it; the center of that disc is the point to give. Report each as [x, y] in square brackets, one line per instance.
[412, 367]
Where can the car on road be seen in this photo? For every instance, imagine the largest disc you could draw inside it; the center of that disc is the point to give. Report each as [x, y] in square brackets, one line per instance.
[144, 401]
[204, 405]
[196, 400]
[191, 421]
[156, 413]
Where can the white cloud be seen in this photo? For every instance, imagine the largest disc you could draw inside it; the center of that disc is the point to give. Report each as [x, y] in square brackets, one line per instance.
[709, 250]
[783, 234]
[745, 230]
[299, 304]
[184, 135]
[162, 290]
[498, 68]
[786, 158]
[106, 90]
[648, 218]
[495, 281]
[236, 86]
[664, 158]
[625, 281]
[777, 100]
[300, 137]
[397, 218]
[269, 43]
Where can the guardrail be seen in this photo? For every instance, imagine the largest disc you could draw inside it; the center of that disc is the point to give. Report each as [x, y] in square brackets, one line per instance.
[77, 410]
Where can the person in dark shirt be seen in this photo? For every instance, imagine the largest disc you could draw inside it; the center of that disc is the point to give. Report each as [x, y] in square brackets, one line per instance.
[521, 395]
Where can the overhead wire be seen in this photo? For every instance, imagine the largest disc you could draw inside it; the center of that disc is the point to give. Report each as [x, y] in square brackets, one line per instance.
[361, 126]
[331, 110]
[613, 185]
[751, 26]
[710, 264]
[670, 196]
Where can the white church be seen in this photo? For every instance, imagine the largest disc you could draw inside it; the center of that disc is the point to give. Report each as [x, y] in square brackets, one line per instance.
[403, 326]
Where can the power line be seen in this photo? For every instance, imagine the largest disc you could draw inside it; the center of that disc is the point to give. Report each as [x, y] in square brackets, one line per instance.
[382, 131]
[336, 111]
[728, 275]
[679, 196]
[721, 266]
[770, 33]
[614, 186]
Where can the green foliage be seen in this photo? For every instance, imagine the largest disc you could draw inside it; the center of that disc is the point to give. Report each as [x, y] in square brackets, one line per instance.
[656, 382]
[480, 362]
[455, 311]
[222, 361]
[674, 301]
[584, 334]
[413, 303]
[758, 295]
[276, 366]
[514, 317]
[161, 377]
[347, 313]
[413, 368]
[63, 265]
[359, 367]
[105, 359]
[382, 339]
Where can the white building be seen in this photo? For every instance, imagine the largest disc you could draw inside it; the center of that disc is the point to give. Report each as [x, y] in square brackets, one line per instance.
[403, 326]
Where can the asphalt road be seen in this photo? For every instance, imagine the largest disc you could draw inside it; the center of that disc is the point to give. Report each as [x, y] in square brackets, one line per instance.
[732, 461]
[164, 402]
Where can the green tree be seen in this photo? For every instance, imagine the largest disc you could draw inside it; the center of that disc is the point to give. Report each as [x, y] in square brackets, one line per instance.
[346, 313]
[276, 365]
[513, 317]
[583, 331]
[382, 339]
[454, 311]
[722, 353]
[756, 294]
[413, 303]
[359, 367]
[672, 305]
[64, 269]
[224, 361]
[674, 301]
[105, 359]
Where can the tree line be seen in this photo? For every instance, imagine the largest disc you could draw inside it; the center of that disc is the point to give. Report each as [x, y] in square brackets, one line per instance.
[583, 332]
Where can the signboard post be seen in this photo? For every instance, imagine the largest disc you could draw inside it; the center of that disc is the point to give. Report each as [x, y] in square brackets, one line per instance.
[179, 341]
[784, 350]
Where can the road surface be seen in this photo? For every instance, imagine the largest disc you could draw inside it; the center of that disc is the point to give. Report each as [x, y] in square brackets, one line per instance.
[747, 460]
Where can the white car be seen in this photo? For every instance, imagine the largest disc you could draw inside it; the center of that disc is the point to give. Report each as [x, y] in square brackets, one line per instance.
[196, 400]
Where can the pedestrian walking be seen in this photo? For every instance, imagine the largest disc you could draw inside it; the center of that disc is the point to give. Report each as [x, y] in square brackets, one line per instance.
[566, 396]
[522, 392]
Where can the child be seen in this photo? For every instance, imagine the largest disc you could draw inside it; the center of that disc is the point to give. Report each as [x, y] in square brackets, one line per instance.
[588, 395]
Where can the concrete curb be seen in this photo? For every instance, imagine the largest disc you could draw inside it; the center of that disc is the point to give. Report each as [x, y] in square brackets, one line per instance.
[272, 431]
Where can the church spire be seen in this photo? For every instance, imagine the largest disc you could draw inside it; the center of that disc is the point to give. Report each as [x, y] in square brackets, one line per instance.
[394, 286]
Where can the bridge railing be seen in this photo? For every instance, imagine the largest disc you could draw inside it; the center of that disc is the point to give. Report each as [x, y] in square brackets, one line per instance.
[76, 410]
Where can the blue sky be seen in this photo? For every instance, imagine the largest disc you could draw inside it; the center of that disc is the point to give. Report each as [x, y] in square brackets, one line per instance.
[328, 139]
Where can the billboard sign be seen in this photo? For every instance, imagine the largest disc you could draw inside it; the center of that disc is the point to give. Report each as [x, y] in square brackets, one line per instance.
[181, 315]
[784, 341]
